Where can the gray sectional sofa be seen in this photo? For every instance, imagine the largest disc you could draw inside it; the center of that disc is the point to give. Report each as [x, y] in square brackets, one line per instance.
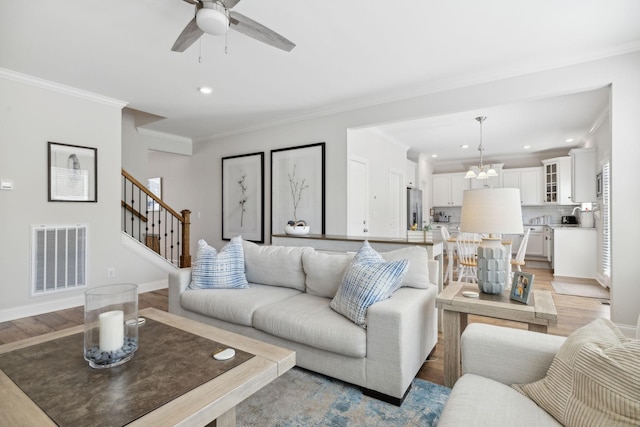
[287, 304]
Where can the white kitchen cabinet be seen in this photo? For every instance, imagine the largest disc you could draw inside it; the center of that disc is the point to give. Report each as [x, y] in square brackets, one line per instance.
[583, 175]
[410, 174]
[575, 252]
[447, 189]
[548, 243]
[528, 181]
[557, 181]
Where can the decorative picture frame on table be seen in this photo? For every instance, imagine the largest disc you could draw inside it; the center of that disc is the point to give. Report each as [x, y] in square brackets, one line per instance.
[243, 197]
[521, 287]
[72, 173]
[298, 187]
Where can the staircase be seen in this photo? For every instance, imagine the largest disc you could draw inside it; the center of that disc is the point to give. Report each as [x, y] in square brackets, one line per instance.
[155, 224]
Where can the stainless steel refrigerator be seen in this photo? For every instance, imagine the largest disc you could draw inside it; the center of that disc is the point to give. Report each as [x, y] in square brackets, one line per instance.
[414, 208]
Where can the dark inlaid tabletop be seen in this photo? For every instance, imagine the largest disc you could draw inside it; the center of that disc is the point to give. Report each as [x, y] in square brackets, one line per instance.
[168, 363]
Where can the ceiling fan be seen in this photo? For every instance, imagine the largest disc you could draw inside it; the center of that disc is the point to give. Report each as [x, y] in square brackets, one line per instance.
[215, 17]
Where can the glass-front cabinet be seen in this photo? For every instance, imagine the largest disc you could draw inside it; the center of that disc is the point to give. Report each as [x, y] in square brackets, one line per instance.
[551, 183]
[557, 181]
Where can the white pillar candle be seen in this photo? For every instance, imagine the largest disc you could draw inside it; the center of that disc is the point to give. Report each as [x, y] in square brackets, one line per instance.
[111, 330]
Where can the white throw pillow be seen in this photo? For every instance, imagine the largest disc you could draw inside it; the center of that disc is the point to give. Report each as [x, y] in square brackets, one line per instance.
[219, 270]
[418, 271]
[368, 279]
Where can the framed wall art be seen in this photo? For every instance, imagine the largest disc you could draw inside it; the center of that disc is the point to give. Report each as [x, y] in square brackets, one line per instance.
[73, 173]
[243, 197]
[521, 286]
[155, 186]
[298, 187]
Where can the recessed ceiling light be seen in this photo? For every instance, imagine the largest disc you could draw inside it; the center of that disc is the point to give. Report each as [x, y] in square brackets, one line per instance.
[206, 90]
[434, 155]
[568, 140]
[526, 147]
[464, 146]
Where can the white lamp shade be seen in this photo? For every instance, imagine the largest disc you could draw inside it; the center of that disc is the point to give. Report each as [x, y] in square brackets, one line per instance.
[470, 174]
[212, 21]
[491, 210]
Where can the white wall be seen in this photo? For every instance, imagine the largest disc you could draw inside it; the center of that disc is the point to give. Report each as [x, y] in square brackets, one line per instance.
[384, 156]
[33, 112]
[621, 72]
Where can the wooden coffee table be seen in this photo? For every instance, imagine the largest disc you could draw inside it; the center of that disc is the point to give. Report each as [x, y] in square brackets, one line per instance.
[540, 313]
[213, 401]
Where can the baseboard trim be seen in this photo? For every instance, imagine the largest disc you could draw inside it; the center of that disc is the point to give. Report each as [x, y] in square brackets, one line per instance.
[9, 314]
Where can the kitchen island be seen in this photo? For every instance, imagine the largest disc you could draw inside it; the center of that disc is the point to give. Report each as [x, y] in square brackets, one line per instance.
[575, 252]
[328, 242]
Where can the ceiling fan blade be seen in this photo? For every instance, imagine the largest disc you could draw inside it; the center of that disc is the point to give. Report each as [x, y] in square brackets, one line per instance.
[229, 3]
[189, 35]
[251, 28]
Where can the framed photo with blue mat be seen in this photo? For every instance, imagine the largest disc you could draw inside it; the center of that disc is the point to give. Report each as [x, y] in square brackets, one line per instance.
[521, 287]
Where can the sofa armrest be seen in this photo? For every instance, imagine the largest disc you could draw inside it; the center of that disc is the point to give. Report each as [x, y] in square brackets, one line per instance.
[507, 355]
[178, 282]
[401, 332]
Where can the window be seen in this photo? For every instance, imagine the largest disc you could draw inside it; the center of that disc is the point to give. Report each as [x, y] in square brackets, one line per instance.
[606, 225]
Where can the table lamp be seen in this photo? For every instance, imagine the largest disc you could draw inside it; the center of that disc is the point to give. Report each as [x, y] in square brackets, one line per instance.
[492, 211]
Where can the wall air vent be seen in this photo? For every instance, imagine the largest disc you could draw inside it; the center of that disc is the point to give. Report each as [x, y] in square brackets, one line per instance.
[58, 258]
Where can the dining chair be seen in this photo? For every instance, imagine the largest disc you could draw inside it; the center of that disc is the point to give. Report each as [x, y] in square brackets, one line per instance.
[467, 244]
[518, 261]
[450, 246]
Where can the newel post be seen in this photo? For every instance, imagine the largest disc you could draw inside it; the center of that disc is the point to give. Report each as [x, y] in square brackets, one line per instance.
[185, 258]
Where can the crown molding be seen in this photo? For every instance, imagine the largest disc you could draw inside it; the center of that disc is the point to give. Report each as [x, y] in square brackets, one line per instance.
[60, 88]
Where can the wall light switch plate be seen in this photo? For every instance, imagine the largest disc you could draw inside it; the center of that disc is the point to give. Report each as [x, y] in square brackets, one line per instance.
[6, 184]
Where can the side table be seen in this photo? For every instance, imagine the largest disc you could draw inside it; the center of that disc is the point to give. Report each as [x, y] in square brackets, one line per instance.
[456, 308]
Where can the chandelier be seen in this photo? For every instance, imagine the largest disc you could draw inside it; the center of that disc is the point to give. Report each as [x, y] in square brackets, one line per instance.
[484, 171]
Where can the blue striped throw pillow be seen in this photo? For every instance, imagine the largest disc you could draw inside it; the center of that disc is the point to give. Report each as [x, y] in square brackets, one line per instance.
[219, 270]
[368, 279]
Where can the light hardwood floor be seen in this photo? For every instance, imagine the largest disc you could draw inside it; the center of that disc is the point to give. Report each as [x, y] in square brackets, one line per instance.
[573, 312]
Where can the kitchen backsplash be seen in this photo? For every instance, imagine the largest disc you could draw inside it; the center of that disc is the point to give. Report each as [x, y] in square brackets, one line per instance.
[529, 213]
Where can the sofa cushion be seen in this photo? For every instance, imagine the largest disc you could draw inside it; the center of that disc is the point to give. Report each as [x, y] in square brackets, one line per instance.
[368, 279]
[234, 305]
[324, 271]
[479, 401]
[593, 379]
[274, 265]
[224, 269]
[418, 270]
[307, 319]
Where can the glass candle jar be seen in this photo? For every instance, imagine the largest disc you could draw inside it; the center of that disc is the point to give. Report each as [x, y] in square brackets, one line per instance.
[110, 325]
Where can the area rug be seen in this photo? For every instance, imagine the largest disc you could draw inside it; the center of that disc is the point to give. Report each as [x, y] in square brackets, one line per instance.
[304, 398]
[589, 290]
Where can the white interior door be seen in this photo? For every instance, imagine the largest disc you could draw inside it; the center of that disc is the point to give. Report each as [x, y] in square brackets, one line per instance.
[358, 197]
[396, 203]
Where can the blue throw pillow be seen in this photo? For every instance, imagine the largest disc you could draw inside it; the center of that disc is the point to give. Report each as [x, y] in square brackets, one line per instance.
[368, 279]
[219, 270]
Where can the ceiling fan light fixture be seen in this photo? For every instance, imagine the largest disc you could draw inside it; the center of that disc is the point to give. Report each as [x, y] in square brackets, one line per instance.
[470, 174]
[492, 172]
[213, 19]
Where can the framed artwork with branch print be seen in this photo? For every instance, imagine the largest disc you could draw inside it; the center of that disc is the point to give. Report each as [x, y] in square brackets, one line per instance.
[243, 197]
[298, 187]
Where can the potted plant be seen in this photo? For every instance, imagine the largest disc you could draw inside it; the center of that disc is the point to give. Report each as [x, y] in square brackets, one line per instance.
[297, 187]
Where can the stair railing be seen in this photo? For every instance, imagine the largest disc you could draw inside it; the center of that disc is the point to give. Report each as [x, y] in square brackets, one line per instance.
[149, 220]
